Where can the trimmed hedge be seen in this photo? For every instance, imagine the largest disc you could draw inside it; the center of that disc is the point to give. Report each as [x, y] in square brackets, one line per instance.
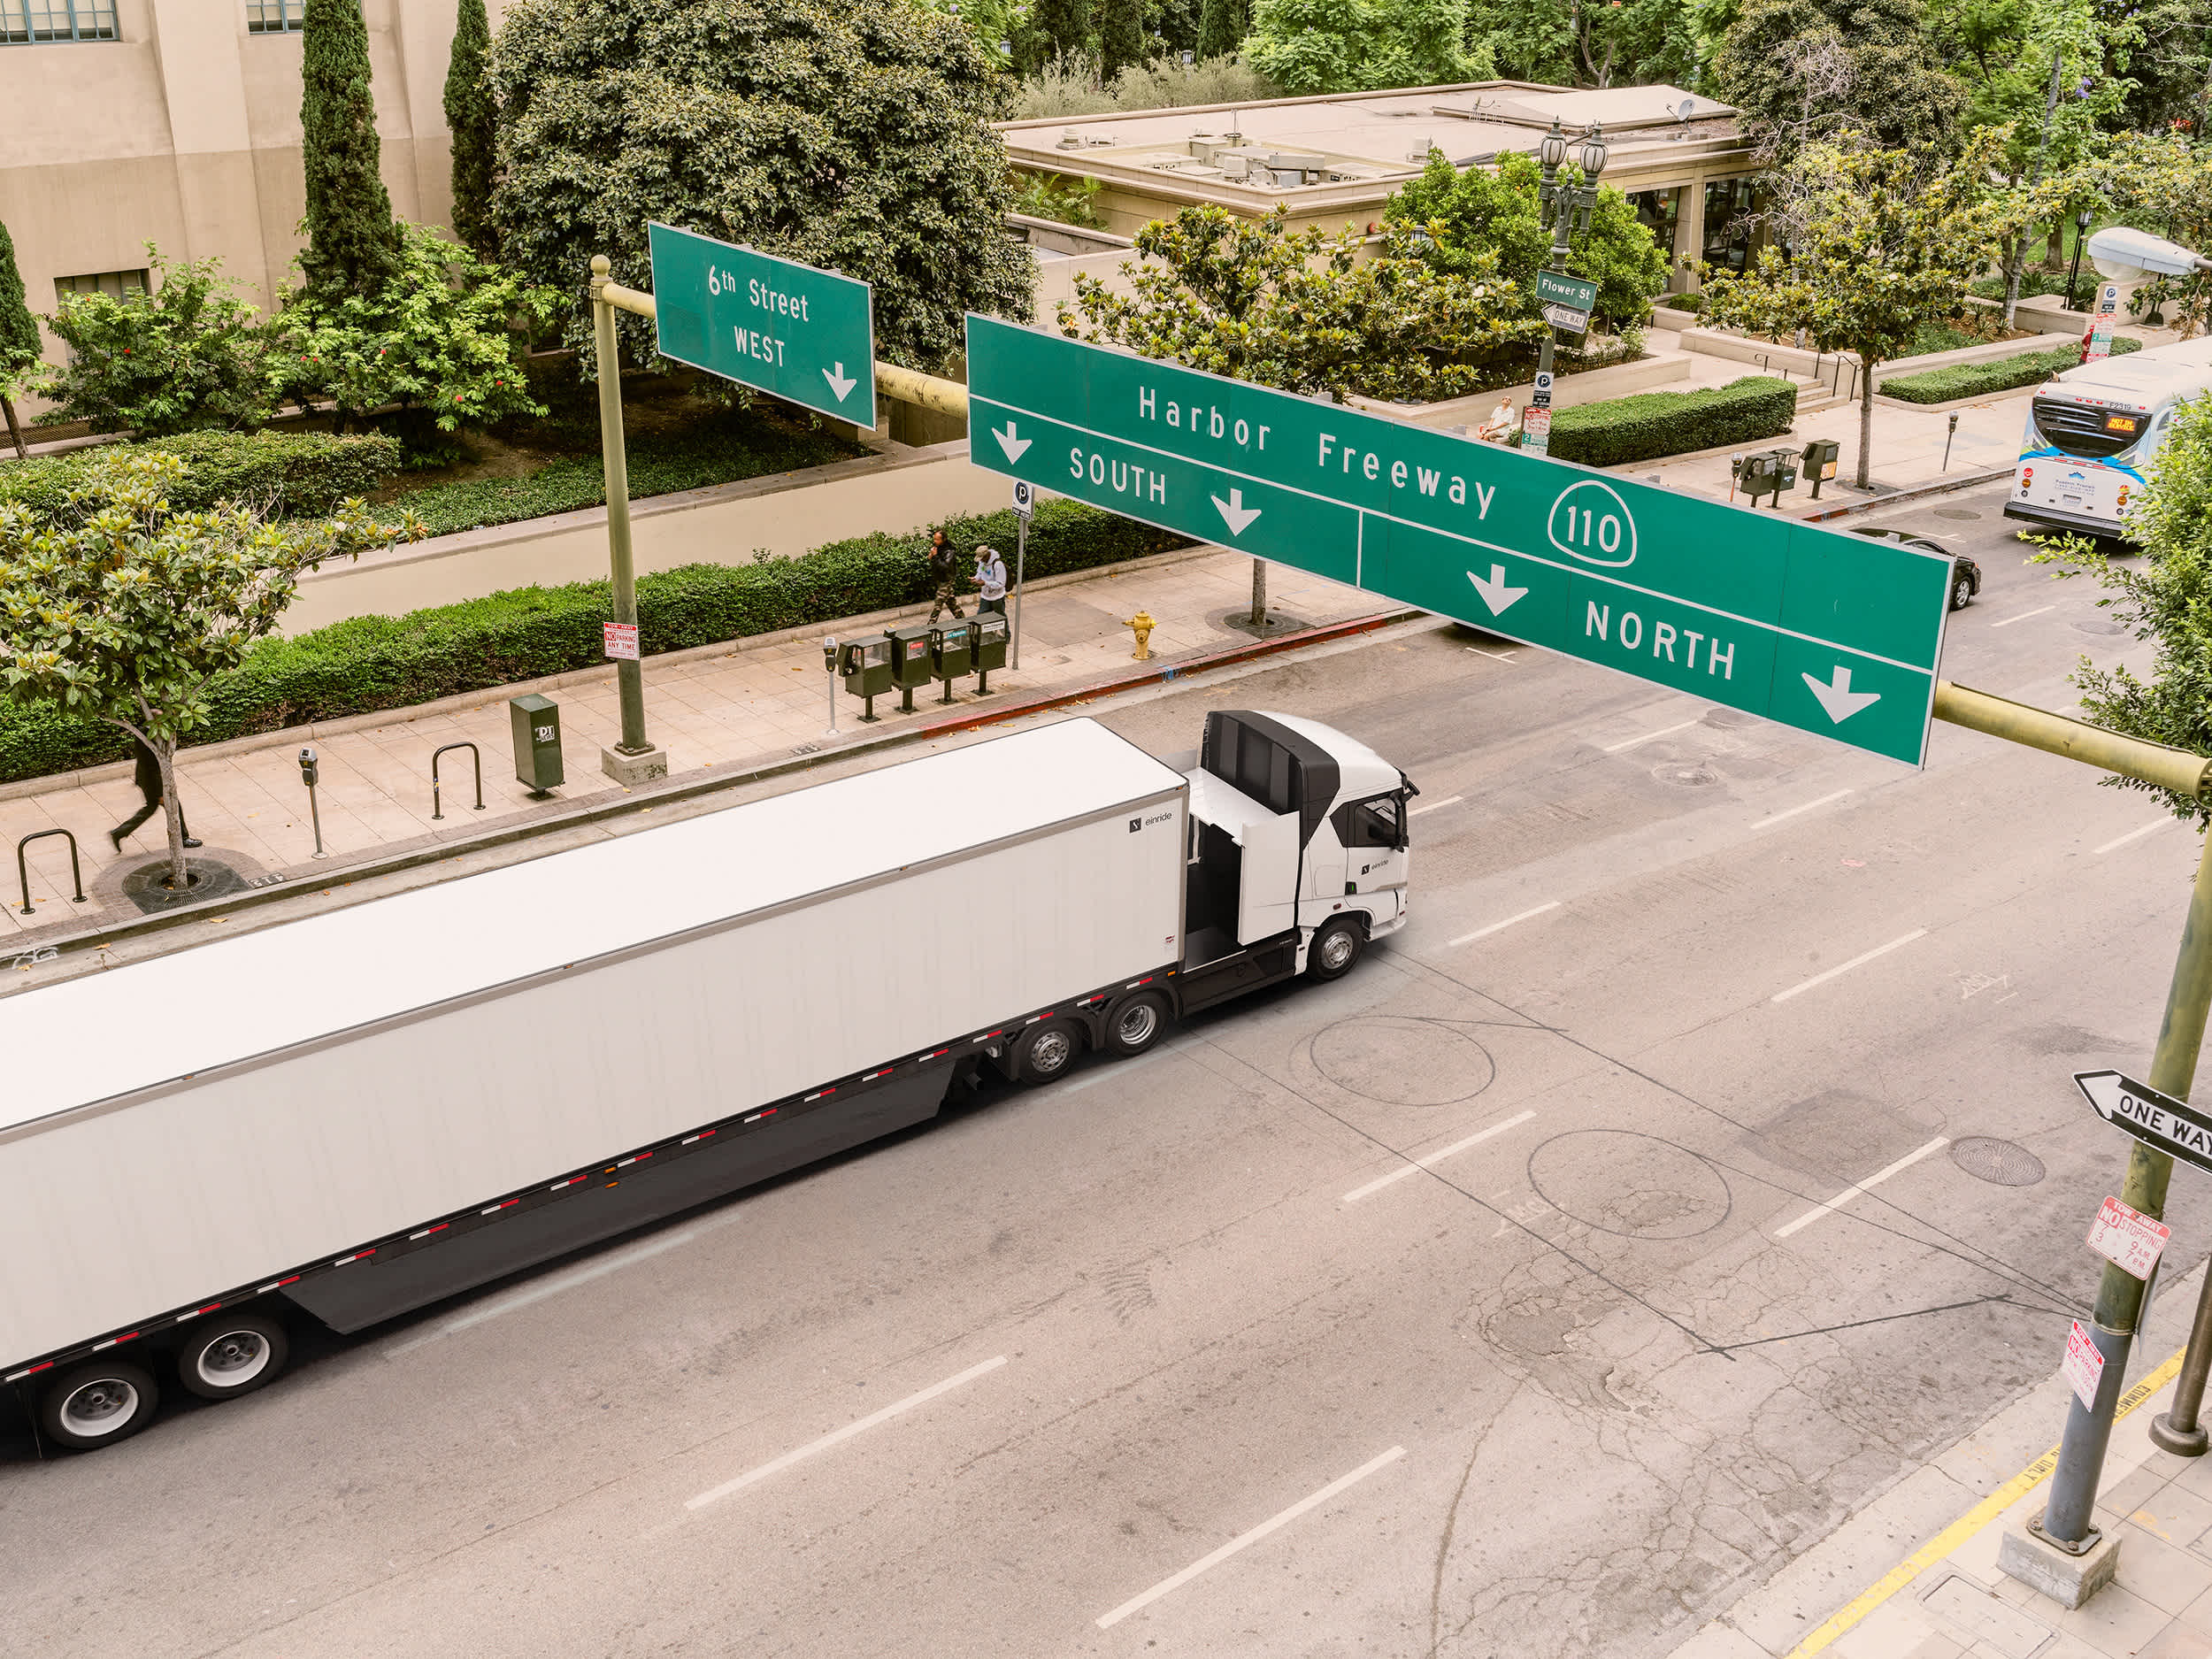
[1977, 379]
[369, 664]
[295, 474]
[1648, 424]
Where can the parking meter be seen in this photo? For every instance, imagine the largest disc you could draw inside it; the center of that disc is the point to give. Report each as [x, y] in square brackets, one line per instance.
[310, 774]
[910, 663]
[535, 722]
[311, 769]
[988, 648]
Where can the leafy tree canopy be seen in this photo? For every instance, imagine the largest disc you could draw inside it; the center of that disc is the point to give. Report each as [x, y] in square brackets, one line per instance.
[1300, 310]
[2164, 182]
[851, 137]
[1316, 46]
[1480, 219]
[351, 244]
[1809, 69]
[185, 356]
[120, 609]
[473, 119]
[19, 337]
[1567, 43]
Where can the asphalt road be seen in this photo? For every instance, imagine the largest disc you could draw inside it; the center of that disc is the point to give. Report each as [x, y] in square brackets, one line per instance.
[1483, 1302]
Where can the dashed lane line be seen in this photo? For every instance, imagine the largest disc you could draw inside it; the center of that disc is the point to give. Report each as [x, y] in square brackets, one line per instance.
[1437, 806]
[2118, 841]
[1435, 1158]
[2023, 616]
[1856, 1187]
[1845, 967]
[1776, 818]
[1664, 731]
[1484, 933]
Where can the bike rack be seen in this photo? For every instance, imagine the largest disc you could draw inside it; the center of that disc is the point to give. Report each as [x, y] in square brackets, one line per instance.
[23, 872]
[436, 810]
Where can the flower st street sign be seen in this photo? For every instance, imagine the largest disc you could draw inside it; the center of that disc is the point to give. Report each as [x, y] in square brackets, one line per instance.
[805, 335]
[1567, 302]
[1829, 633]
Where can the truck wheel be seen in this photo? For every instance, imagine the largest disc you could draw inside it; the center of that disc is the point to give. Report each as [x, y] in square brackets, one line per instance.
[234, 1355]
[1045, 1051]
[1334, 950]
[1136, 1024]
[90, 1406]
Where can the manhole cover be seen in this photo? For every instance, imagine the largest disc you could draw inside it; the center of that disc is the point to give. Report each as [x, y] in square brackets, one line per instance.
[147, 886]
[1402, 1062]
[1686, 776]
[1956, 512]
[2000, 1163]
[2098, 625]
[1729, 719]
[1635, 1186]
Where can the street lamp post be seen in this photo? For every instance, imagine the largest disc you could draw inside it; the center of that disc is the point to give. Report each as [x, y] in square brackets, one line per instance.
[1566, 209]
[2081, 234]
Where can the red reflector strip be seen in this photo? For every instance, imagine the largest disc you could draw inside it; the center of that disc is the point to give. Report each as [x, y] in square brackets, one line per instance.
[702, 1135]
[113, 1341]
[30, 1371]
[1000, 1031]
[427, 1232]
[491, 1209]
[276, 1284]
[358, 1255]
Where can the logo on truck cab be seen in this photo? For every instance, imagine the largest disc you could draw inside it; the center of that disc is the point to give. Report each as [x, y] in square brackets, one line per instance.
[1136, 824]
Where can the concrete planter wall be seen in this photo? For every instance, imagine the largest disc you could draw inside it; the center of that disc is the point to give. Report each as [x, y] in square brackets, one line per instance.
[1593, 385]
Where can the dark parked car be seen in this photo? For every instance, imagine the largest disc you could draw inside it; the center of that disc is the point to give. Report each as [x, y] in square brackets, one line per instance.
[1966, 576]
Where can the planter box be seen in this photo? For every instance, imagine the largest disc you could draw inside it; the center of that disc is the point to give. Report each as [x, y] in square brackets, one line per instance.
[1592, 386]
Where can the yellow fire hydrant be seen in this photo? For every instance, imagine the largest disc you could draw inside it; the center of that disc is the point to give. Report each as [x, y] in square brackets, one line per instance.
[1143, 624]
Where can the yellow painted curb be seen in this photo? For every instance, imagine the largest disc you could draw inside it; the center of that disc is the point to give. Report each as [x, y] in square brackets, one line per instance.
[1969, 1524]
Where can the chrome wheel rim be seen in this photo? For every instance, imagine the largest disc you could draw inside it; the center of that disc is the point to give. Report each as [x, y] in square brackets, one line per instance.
[99, 1407]
[1136, 1024]
[1052, 1050]
[233, 1359]
[1336, 951]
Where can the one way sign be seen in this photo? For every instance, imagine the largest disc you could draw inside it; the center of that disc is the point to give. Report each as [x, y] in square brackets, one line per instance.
[2157, 1120]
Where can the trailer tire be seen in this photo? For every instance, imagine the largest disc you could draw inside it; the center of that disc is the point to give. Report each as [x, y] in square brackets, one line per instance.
[235, 1353]
[1135, 1025]
[1044, 1052]
[1334, 950]
[96, 1404]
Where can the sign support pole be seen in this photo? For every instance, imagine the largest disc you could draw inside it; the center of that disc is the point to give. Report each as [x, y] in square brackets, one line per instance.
[633, 760]
[1021, 556]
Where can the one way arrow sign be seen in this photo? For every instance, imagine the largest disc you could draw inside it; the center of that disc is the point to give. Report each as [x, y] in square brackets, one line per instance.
[2158, 1120]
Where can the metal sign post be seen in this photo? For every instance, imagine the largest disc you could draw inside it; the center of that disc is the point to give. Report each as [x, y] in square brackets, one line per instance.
[1024, 508]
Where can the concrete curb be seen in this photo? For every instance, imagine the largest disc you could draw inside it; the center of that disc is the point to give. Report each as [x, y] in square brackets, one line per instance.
[688, 786]
[1914, 492]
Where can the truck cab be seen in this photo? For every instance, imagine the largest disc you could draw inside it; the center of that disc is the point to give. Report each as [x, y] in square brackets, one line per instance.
[1297, 855]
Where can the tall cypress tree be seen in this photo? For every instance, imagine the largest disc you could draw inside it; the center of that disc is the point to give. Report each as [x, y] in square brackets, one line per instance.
[473, 119]
[18, 330]
[351, 246]
[1222, 26]
[1120, 37]
[1065, 23]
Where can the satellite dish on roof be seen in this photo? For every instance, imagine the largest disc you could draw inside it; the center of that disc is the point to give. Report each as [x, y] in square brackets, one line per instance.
[1682, 113]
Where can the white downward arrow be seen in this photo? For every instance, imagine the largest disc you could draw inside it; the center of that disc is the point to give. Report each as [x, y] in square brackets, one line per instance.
[1495, 593]
[1008, 442]
[1238, 516]
[1837, 696]
[839, 382]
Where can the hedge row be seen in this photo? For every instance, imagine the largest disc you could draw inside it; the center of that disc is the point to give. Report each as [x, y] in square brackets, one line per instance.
[1978, 379]
[369, 663]
[291, 472]
[1652, 424]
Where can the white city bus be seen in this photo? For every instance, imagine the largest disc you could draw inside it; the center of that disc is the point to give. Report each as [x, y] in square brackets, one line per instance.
[2093, 433]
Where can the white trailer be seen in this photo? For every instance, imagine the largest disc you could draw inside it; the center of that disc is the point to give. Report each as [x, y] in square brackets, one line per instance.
[357, 1113]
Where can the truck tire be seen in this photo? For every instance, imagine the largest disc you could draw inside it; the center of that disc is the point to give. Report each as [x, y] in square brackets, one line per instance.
[1045, 1050]
[1334, 950]
[1136, 1024]
[234, 1355]
[96, 1404]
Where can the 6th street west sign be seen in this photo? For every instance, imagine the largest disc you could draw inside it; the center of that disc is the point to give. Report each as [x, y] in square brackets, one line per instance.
[1827, 632]
[806, 335]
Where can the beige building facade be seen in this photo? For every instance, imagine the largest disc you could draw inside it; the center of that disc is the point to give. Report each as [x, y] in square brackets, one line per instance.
[178, 122]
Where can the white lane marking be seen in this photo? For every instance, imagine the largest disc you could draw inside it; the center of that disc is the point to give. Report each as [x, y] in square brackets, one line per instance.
[1112, 1069]
[1846, 967]
[1435, 1158]
[1615, 748]
[1434, 806]
[552, 1287]
[714, 1495]
[2023, 616]
[1495, 657]
[1137, 1603]
[1793, 810]
[1483, 932]
[2137, 834]
[1856, 1187]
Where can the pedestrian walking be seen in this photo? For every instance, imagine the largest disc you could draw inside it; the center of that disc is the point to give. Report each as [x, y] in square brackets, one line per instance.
[944, 565]
[990, 576]
[147, 775]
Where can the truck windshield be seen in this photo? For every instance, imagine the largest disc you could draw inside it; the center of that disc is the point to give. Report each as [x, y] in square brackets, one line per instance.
[2081, 429]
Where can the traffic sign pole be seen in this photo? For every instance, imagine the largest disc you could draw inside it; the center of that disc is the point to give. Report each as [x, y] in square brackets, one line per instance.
[632, 760]
[1024, 508]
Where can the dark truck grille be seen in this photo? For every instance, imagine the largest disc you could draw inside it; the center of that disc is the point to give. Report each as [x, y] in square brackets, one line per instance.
[2092, 433]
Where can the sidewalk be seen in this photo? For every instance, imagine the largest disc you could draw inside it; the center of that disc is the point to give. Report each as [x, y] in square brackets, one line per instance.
[1945, 1598]
[746, 701]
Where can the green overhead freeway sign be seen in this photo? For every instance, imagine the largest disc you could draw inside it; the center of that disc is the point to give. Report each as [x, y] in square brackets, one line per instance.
[1830, 634]
[806, 335]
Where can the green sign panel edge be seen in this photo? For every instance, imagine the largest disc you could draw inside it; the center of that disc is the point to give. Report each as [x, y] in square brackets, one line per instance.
[1336, 537]
[812, 377]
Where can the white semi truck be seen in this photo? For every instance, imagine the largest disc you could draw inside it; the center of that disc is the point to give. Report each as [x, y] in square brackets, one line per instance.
[360, 1112]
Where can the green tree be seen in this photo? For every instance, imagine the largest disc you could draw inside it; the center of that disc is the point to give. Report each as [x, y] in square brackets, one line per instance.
[2164, 182]
[351, 244]
[473, 119]
[1565, 41]
[1316, 46]
[857, 138]
[1177, 23]
[1299, 310]
[1120, 36]
[1066, 26]
[1880, 242]
[440, 339]
[188, 356]
[1482, 219]
[18, 335]
[2166, 599]
[1808, 69]
[1222, 26]
[118, 609]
